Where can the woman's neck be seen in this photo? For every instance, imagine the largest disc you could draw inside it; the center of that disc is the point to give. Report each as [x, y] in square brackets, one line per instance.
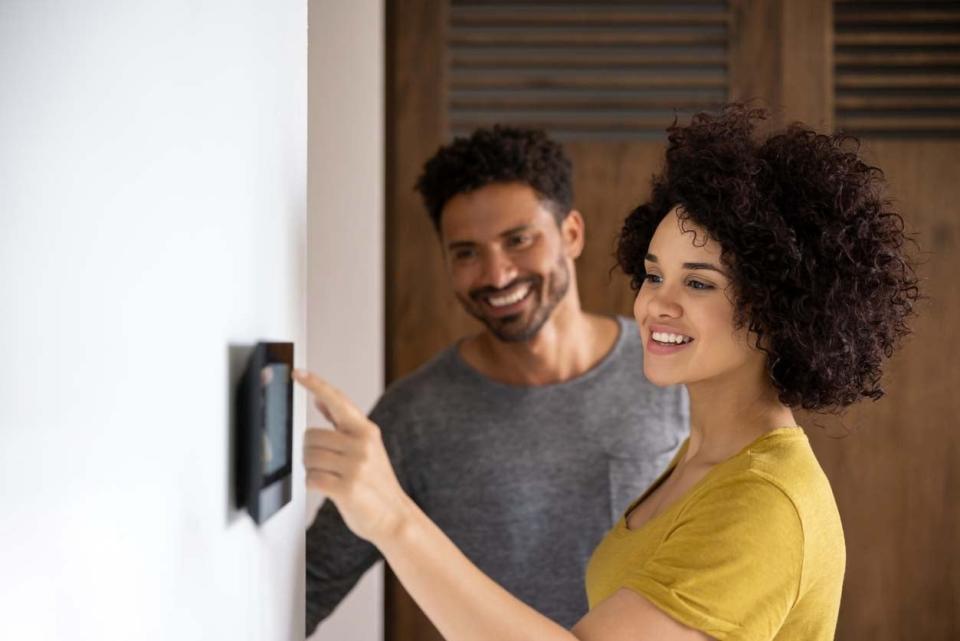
[728, 414]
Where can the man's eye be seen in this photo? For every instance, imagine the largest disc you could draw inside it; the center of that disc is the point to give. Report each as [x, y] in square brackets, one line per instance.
[696, 284]
[521, 240]
[463, 254]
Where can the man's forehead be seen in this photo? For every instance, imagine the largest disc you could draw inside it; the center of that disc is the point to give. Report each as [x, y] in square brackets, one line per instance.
[465, 237]
[479, 225]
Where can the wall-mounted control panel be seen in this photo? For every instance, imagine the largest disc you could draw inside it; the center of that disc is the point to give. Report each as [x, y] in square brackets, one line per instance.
[265, 431]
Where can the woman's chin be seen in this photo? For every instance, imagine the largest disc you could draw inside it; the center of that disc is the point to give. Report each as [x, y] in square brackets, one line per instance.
[660, 377]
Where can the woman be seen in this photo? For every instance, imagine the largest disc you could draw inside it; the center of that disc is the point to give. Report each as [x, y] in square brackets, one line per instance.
[770, 276]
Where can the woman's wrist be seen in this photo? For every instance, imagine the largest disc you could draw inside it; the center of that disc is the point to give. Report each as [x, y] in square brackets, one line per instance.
[398, 524]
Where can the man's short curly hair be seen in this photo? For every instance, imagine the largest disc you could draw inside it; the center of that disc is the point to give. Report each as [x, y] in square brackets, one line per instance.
[816, 254]
[498, 155]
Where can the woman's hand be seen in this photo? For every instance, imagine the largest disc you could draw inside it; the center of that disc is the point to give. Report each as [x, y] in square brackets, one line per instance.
[350, 465]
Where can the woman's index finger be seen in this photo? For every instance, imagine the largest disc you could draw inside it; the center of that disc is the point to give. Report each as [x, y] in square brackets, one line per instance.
[338, 409]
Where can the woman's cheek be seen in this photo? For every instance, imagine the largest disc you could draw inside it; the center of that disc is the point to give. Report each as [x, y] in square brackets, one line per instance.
[638, 306]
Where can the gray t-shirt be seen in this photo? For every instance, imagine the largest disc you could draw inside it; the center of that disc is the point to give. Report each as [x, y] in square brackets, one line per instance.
[524, 480]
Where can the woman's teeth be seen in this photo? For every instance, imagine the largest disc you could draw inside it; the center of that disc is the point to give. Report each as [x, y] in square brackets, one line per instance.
[665, 337]
[509, 299]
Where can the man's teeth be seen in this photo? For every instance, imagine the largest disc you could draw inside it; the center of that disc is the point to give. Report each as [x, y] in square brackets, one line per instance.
[665, 337]
[508, 299]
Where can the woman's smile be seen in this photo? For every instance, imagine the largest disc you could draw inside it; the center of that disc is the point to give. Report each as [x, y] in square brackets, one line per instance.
[663, 340]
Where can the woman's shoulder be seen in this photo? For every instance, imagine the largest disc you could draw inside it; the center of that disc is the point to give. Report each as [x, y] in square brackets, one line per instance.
[785, 458]
[776, 475]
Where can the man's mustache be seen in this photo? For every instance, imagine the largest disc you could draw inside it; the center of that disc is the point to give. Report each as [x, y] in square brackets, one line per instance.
[482, 292]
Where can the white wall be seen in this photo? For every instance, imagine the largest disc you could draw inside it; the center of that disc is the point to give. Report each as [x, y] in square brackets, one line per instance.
[152, 214]
[345, 310]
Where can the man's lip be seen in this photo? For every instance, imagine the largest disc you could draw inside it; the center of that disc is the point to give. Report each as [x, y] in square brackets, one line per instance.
[482, 295]
[507, 310]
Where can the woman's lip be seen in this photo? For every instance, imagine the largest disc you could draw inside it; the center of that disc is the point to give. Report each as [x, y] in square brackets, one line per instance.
[665, 329]
[653, 347]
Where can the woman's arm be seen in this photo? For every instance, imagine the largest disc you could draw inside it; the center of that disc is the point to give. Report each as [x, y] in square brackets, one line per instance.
[465, 605]
[461, 601]
[350, 465]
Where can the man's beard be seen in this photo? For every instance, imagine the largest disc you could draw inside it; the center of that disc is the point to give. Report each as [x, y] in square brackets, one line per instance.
[513, 329]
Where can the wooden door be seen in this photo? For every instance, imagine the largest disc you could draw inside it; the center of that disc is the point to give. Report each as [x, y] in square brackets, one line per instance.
[605, 79]
[896, 84]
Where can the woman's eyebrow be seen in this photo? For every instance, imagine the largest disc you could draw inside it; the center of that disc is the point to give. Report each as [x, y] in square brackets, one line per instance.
[708, 266]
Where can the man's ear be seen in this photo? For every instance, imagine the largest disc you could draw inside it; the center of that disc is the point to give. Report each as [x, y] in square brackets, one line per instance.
[573, 232]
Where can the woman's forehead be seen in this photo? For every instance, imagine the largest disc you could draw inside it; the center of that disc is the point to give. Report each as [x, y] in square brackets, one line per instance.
[679, 239]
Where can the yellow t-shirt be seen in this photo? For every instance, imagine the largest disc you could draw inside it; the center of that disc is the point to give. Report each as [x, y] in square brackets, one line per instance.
[753, 552]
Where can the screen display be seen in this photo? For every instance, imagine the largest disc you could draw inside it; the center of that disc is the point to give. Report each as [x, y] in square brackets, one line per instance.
[274, 388]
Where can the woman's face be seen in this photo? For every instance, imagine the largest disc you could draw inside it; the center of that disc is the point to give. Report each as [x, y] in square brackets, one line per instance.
[685, 310]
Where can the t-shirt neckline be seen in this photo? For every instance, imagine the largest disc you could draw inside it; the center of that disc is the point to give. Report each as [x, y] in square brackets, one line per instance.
[621, 525]
[597, 368]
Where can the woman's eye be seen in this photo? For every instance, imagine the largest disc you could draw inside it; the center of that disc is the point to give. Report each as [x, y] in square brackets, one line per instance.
[652, 278]
[696, 284]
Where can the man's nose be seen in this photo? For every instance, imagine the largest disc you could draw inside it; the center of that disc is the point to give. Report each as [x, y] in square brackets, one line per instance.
[498, 270]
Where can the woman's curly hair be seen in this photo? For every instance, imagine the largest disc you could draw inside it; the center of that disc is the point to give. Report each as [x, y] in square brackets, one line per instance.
[816, 255]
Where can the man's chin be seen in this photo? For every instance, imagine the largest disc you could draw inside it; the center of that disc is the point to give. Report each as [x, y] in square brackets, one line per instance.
[515, 328]
[512, 329]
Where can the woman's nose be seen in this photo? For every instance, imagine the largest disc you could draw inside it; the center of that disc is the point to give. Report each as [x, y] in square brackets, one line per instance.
[662, 302]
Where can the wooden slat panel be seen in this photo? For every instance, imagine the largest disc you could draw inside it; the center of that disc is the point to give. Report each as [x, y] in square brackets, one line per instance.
[886, 39]
[570, 122]
[903, 123]
[856, 16]
[897, 58]
[898, 67]
[897, 81]
[546, 16]
[587, 81]
[566, 59]
[904, 102]
[577, 38]
[581, 102]
[560, 59]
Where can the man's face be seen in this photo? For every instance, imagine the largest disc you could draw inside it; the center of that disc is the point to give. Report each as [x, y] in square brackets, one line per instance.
[509, 262]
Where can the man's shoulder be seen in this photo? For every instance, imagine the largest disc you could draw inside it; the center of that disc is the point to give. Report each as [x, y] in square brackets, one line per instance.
[629, 337]
[625, 359]
[427, 383]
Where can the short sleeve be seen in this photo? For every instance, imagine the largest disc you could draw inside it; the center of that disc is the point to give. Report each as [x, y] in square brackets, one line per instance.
[731, 563]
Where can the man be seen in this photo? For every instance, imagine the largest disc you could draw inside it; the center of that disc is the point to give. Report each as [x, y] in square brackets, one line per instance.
[525, 442]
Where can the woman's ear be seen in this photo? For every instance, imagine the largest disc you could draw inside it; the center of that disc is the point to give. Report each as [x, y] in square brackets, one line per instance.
[572, 230]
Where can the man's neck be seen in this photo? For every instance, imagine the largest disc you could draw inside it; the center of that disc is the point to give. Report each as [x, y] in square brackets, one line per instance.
[569, 343]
